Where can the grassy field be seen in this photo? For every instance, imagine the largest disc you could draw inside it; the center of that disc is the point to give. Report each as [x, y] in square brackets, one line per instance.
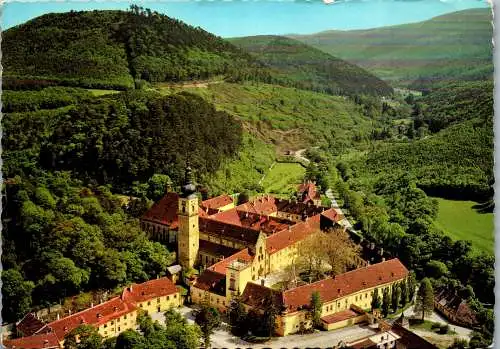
[283, 178]
[462, 221]
[97, 92]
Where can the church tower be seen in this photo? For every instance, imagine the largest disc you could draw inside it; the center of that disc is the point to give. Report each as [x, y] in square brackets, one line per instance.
[188, 235]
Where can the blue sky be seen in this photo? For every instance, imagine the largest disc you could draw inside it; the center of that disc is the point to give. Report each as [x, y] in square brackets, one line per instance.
[251, 17]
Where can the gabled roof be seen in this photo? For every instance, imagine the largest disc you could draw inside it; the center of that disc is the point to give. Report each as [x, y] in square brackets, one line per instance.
[216, 249]
[292, 234]
[29, 325]
[220, 267]
[217, 202]
[308, 192]
[258, 296]
[164, 211]
[265, 205]
[331, 214]
[212, 281]
[258, 222]
[346, 284]
[339, 316]
[221, 229]
[100, 314]
[457, 306]
[38, 341]
[149, 290]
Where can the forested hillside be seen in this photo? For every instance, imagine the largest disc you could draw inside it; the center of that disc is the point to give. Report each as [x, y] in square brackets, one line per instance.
[452, 47]
[454, 156]
[121, 139]
[109, 49]
[306, 67]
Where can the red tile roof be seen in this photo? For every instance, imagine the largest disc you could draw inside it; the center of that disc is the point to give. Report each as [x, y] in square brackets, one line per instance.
[308, 192]
[331, 214]
[149, 290]
[340, 316]
[29, 325]
[268, 224]
[293, 234]
[164, 211]
[212, 281]
[346, 284]
[364, 344]
[264, 205]
[100, 314]
[220, 229]
[217, 202]
[258, 296]
[38, 341]
[220, 267]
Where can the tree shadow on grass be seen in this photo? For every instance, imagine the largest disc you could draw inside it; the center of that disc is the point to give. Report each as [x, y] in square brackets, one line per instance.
[485, 207]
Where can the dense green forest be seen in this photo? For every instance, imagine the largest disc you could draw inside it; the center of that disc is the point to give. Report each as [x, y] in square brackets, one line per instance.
[122, 50]
[122, 138]
[61, 237]
[452, 47]
[109, 49]
[306, 67]
[454, 155]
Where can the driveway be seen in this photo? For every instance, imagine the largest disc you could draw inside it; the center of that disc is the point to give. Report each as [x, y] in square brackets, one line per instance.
[344, 222]
[322, 339]
[222, 338]
[462, 332]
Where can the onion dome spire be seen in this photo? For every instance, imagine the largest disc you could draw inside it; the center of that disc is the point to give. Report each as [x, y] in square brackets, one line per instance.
[188, 189]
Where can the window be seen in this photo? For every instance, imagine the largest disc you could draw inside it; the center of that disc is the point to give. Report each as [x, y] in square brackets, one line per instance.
[105, 325]
[175, 295]
[105, 333]
[140, 305]
[158, 300]
[125, 317]
[149, 303]
[118, 328]
[168, 297]
[112, 322]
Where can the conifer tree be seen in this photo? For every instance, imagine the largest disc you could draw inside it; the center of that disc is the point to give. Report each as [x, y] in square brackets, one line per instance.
[315, 309]
[396, 297]
[386, 303]
[425, 298]
[376, 302]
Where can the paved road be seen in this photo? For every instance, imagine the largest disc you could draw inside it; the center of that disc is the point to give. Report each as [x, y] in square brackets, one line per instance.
[335, 205]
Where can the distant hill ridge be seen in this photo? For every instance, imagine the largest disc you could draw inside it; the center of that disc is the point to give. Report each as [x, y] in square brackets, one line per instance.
[304, 66]
[448, 48]
[116, 49]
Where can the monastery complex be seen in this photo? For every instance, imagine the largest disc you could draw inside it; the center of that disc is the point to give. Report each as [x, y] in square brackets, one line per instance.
[225, 251]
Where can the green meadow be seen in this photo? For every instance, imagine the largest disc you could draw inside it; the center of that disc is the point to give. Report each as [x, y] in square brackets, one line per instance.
[461, 221]
[283, 178]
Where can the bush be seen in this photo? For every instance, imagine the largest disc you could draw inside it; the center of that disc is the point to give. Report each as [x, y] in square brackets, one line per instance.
[444, 329]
